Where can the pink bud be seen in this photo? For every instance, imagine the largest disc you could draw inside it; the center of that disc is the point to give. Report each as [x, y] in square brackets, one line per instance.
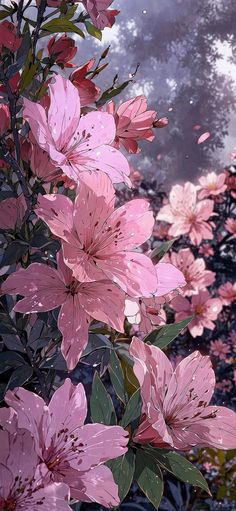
[62, 50]
[161, 123]
[4, 119]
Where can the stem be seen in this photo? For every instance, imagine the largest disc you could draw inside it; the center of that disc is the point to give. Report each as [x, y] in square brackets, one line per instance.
[19, 16]
[41, 10]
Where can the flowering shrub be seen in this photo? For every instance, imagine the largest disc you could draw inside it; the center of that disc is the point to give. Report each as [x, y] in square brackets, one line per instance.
[95, 285]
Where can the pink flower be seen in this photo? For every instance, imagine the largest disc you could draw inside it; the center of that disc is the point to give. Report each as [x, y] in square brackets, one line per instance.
[4, 119]
[227, 293]
[230, 181]
[88, 91]
[186, 215]
[100, 243]
[99, 13]
[219, 349]
[12, 212]
[75, 144]
[176, 411]
[230, 226]
[133, 123]
[24, 481]
[212, 184]
[147, 312]
[62, 50]
[45, 288]
[8, 36]
[73, 452]
[194, 271]
[204, 308]
[206, 250]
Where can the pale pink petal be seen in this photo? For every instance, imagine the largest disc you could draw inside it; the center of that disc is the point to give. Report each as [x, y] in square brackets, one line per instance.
[104, 301]
[39, 284]
[203, 137]
[35, 114]
[181, 304]
[106, 159]
[73, 323]
[95, 485]
[132, 271]
[168, 278]
[84, 267]
[64, 111]
[57, 212]
[166, 214]
[97, 128]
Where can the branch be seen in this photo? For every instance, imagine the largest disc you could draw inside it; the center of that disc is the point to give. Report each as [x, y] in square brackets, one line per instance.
[41, 10]
[19, 15]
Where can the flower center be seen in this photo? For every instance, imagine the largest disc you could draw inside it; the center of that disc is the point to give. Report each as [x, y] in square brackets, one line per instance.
[199, 309]
[8, 505]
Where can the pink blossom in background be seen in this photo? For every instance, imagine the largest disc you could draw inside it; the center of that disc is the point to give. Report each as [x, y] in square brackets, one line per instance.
[176, 411]
[24, 481]
[100, 243]
[73, 452]
[194, 270]
[75, 144]
[8, 36]
[204, 308]
[206, 250]
[227, 293]
[99, 13]
[133, 123]
[220, 349]
[186, 215]
[230, 181]
[212, 184]
[88, 90]
[12, 212]
[230, 226]
[4, 118]
[203, 137]
[62, 50]
[148, 312]
[44, 288]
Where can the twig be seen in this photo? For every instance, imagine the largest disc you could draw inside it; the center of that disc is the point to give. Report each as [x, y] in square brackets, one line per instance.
[41, 10]
[19, 15]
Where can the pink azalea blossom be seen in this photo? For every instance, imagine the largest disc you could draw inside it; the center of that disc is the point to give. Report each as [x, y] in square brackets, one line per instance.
[204, 308]
[133, 123]
[88, 91]
[227, 293]
[99, 244]
[194, 270]
[212, 184]
[148, 312]
[219, 349]
[99, 13]
[230, 226]
[75, 144]
[206, 250]
[44, 288]
[12, 212]
[176, 411]
[73, 452]
[186, 215]
[24, 481]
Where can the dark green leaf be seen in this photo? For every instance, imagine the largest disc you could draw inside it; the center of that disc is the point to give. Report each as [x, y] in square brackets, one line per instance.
[14, 252]
[159, 252]
[111, 93]
[9, 359]
[62, 25]
[149, 477]
[20, 376]
[117, 377]
[94, 31]
[123, 471]
[4, 14]
[101, 406]
[29, 72]
[6, 324]
[164, 335]
[133, 409]
[180, 467]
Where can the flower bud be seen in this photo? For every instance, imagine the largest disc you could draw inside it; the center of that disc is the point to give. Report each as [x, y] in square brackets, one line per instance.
[62, 50]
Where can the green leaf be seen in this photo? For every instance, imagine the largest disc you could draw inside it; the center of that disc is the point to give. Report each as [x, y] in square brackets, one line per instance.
[4, 14]
[62, 25]
[123, 472]
[180, 467]
[101, 406]
[164, 335]
[159, 252]
[149, 477]
[111, 93]
[94, 31]
[133, 409]
[29, 71]
[117, 376]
